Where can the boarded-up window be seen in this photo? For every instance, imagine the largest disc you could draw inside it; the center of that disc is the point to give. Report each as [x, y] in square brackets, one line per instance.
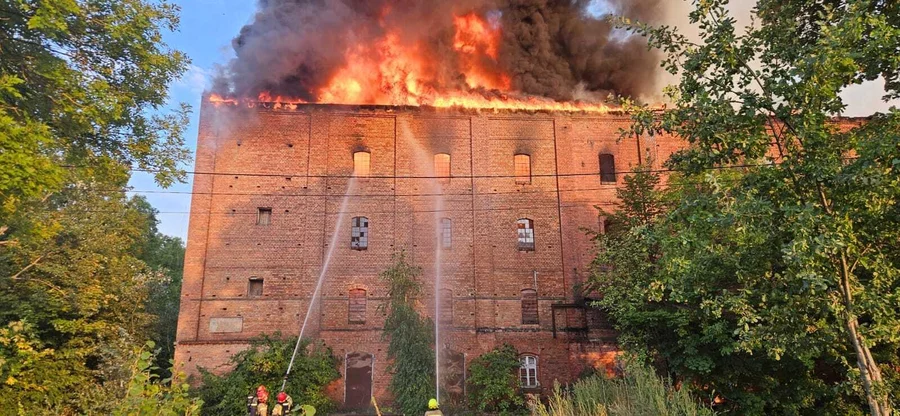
[361, 163]
[359, 233]
[255, 287]
[263, 216]
[525, 234]
[446, 306]
[442, 167]
[446, 232]
[528, 371]
[529, 307]
[607, 168]
[523, 168]
[357, 307]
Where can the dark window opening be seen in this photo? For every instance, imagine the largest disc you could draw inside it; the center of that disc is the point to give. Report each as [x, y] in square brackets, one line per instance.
[255, 287]
[607, 168]
[264, 216]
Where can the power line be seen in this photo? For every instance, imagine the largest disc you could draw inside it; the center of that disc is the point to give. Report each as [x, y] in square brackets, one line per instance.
[532, 175]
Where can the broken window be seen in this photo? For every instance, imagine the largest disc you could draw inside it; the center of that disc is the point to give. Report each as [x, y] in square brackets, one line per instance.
[607, 168]
[529, 307]
[523, 169]
[442, 167]
[528, 371]
[359, 237]
[263, 216]
[255, 287]
[361, 163]
[525, 233]
[357, 306]
[446, 232]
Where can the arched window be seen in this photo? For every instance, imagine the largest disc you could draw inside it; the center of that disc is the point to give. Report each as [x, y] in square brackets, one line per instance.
[522, 164]
[356, 310]
[446, 233]
[607, 168]
[528, 371]
[529, 307]
[361, 163]
[442, 167]
[359, 233]
[525, 234]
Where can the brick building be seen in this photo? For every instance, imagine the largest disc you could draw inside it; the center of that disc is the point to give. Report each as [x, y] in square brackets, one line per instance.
[503, 198]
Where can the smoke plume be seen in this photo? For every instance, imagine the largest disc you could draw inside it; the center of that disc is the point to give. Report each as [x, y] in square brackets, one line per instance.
[371, 51]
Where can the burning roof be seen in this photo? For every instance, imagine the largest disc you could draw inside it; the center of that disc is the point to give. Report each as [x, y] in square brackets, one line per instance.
[498, 54]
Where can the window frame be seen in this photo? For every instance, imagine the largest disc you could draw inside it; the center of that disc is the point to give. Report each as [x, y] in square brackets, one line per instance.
[359, 233]
[446, 237]
[357, 164]
[250, 286]
[528, 371]
[608, 169]
[524, 233]
[268, 216]
[521, 178]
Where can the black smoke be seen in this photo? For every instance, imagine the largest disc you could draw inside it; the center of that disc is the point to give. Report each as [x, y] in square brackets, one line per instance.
[550, 48]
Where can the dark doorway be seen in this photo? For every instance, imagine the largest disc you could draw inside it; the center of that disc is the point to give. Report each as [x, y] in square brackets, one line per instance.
[453, 375]
[358, 380]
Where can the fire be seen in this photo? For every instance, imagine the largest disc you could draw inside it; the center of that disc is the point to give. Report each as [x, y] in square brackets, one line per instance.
[392, 72]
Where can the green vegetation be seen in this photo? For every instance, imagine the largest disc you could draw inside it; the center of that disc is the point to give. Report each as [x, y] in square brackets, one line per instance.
[82, 96]
[147, 394]
[640, 392]
[264, 363]
[411, 339]
[767, 273]
[494, 382]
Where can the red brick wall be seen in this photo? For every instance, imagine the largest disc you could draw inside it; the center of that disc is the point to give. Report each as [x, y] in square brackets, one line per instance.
[304, 156]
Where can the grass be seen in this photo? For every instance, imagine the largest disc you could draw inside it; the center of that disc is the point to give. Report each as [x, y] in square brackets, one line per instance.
[640, 393]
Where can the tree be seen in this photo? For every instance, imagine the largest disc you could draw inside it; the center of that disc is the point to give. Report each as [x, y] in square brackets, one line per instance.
[793, 255]
[82, 103]
[164, 255]
[411, 338]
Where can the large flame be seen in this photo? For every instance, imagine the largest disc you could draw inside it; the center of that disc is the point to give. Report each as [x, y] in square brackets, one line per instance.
[390, 72]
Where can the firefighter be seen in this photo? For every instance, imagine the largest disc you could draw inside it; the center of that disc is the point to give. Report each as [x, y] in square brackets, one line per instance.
[433, 408]
[283, 404]
[252, 403]
[262, 401]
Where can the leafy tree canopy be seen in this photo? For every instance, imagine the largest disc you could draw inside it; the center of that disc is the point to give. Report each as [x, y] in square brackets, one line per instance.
[82, 102]
[774, 277]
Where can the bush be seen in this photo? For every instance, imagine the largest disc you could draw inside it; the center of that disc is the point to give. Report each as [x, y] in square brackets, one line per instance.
[639, 393]
[147, 394]
[265, 363]
[494, 382]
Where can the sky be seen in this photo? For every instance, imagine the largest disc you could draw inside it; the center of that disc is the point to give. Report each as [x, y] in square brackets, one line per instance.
[207, 28]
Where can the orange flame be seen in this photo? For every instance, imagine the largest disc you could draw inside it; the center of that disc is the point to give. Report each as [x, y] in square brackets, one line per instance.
[391, 72]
